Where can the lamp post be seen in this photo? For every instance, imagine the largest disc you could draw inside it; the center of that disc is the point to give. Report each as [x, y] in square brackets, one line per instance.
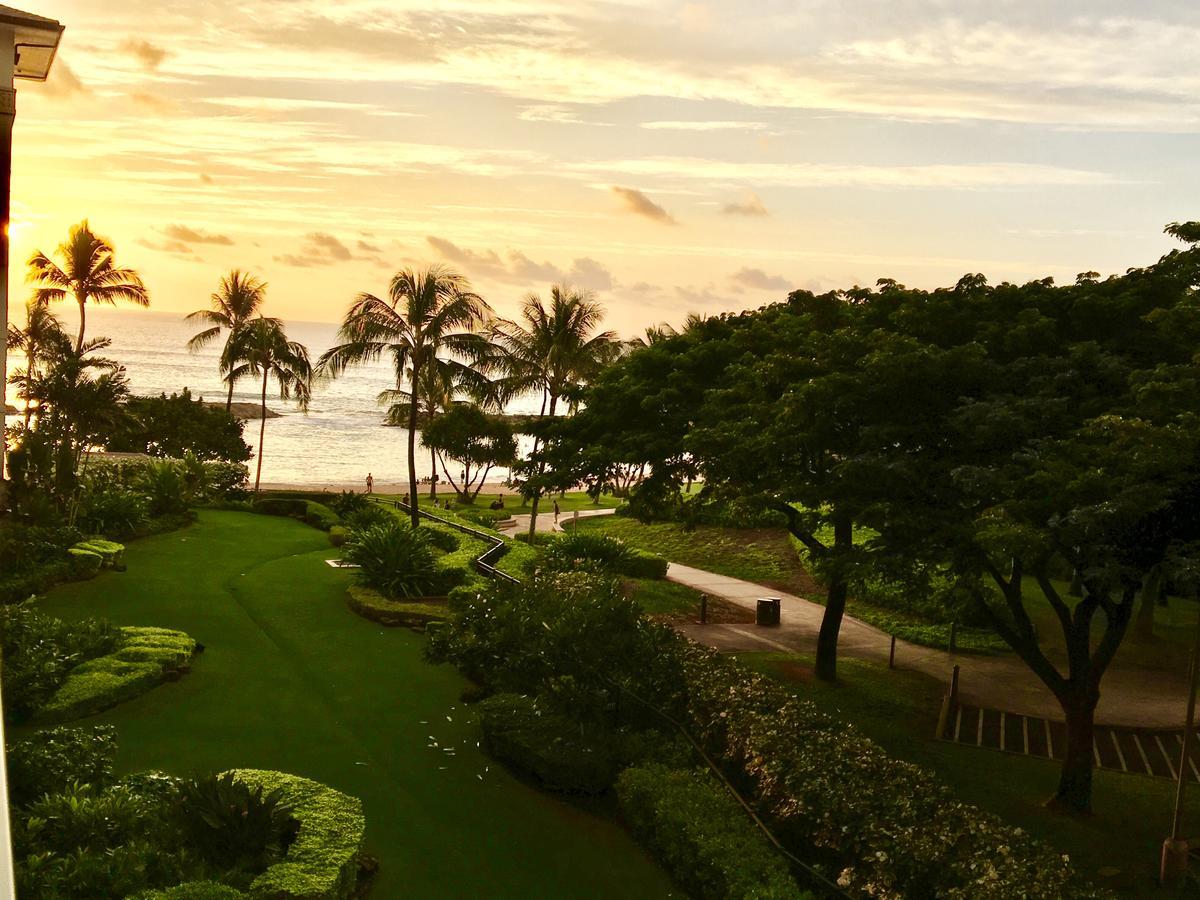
[34, 41]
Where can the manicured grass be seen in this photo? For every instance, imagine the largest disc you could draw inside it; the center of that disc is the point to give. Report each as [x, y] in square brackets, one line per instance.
[1118, 847]
[515, 505]
[657, 596]
[292, 680]
[761, 555]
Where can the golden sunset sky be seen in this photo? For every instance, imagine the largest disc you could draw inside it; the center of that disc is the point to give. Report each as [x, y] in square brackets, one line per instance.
[674, 157]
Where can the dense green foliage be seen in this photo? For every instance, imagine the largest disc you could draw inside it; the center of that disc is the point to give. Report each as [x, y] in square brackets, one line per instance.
[175, 426]
[577, 549]
[233, 824]
[395, 559]
[370, 604]
[702, 835]
[53, 759]
[473, 441]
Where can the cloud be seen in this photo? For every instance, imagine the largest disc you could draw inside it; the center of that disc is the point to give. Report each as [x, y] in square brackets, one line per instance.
[753, 206]
[705, 125]
[320, 248]
[63, 83]
[149, 55]
[759, 280]
[514, 266]
[553, 112]
[205, 178]
[368, 248]
[638, 203]
[186, 235]
[176, 248]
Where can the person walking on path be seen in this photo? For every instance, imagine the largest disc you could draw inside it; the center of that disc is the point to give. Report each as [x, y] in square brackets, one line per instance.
[370, 482]
[555, 512]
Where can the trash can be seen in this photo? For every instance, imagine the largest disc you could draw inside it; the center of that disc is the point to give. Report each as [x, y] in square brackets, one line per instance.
[768, 611]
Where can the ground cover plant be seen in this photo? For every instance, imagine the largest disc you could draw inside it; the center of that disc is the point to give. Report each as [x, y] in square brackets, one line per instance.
[292, 681]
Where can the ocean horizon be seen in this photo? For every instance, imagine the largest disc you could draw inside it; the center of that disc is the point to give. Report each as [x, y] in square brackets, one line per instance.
[337, 443]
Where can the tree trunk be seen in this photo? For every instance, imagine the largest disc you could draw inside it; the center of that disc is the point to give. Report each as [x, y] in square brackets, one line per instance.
[1143, 628]
[537, 494]
[414, 515]
[433, 475]
[262, 430]
[835, 603]
[1074, 792]
[229, 398]
[82, 320]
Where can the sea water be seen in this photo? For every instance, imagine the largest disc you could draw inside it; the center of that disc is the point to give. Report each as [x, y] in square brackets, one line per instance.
[337, 443]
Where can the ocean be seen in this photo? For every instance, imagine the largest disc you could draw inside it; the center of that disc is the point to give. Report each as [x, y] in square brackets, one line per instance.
[337, 443]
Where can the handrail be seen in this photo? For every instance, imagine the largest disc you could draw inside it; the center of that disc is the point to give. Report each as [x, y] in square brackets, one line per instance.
[483, 562]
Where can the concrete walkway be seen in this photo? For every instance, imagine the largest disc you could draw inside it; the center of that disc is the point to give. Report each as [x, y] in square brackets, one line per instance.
[546, 520]
[1130, 697]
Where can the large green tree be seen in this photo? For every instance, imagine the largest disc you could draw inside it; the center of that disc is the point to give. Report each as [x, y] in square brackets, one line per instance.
[262, 350]
[237, 300]
[426, 316]
[88, 274]
[177, 425]
[474, 441]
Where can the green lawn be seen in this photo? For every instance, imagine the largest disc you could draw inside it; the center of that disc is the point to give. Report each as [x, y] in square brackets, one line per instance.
[514, 504]
[1117, 847]
[292, 680]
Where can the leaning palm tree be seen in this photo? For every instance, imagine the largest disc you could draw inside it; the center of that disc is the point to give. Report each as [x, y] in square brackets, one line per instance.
[88, 273]
[237, 300]
[261, 348]
[554, 350]
[427, 316]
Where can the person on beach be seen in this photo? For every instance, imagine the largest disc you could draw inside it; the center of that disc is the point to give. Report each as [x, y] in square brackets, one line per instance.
[555, 512]
[370, 482]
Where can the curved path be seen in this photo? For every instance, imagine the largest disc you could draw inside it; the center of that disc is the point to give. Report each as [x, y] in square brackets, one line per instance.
[1130, 696]
[520, 524]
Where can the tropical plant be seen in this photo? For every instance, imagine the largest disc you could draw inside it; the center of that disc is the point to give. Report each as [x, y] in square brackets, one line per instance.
[177, 425]
[553, 350]
[472, 439]
[88, 273]
[427, 316]
[42, 330]
[261, 348]
[234, 825]
[237, 300]
[396, 559]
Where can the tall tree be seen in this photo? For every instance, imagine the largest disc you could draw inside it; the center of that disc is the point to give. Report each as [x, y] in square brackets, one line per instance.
[237, 300]
[42, 332]
[472, 439]
[553, 350]
[261, 348]
[88, 273]
[427, 316]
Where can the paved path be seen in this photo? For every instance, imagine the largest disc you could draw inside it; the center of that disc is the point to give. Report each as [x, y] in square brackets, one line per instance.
[546, 520]
[1131, 697]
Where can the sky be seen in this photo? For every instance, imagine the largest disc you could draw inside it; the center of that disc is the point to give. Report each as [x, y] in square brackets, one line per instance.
[673, 157]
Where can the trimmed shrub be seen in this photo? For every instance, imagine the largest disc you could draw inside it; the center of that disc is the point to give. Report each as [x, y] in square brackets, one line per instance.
[642, 564]
[338, 535]
[85, 564]
[546, 746]
[145, 658]
[194, 890]
[702, 836]
[580, 550]
[370, 604]
[53, 759]
[280, 506]
[322, 861]
[318, 515]
[112, 553]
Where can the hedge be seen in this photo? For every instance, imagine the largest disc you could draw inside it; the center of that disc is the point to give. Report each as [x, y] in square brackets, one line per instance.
[547, 746]
[146, 657]
[889, 827]
[643, 564]
[194, 890]
[322, 862]
[518, 559]
[702, 836]
[370, 604]
[85, 564]
[112, 553]
[338, 535]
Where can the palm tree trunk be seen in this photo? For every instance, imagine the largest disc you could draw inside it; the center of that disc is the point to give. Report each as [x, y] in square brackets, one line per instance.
[229, 399]
[433, 477]
[414, 515]
[262, 430]
[82, 322]
[537, 493]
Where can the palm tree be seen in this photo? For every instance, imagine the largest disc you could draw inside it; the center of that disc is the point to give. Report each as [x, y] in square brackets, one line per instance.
[88, 273]
[444, 382]
[553, 350]
[261, 347]
[238, 299]
[427, 316]
[41, 333]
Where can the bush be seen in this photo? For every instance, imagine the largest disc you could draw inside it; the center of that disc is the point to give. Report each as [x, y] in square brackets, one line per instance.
[39, 651]
[280, 506]
[349, 502]
[318, 515]
[643, 564]
[579, 549]
[194, 890]
[518, 560]
[85, 564]
[546, 746]
[114, 511]
[112, 553]
[322, 861]
[53, 759]
[232, 824]
[368, 516]
[164, 485]
[144, 658]
[396, 559]
[701, 835]
[482, 515]
[370, 604]
[338, 535]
